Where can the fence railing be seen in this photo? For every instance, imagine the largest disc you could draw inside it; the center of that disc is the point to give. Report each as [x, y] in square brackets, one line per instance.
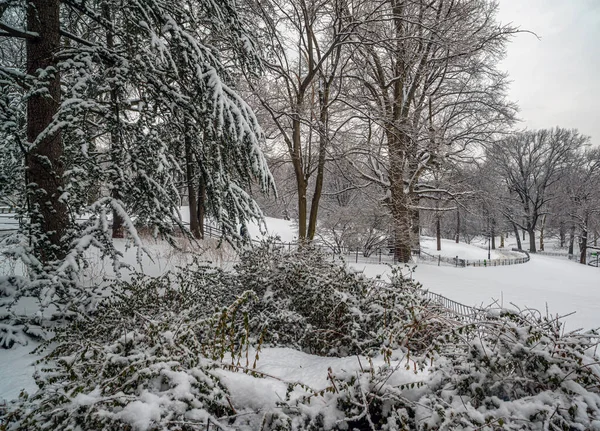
[380, 255]
[455, 309]
[463, 263]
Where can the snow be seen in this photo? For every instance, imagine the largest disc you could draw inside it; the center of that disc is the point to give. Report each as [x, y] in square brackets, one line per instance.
[464, 251]
[561, 285]
[16, 372]
[284, 366]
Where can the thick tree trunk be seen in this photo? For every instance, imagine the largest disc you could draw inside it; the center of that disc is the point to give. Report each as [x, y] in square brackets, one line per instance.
[190, 180]
[532, 245]
[501, 239]
[400, 200]
[44, 165]
[415, 227]
[400, 215]
[518, 238]
[562, 234]
[571, 238]
[583, 248]
[583, 243]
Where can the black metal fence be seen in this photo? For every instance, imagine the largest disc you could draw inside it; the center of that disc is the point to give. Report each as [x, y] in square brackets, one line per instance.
[463, 263]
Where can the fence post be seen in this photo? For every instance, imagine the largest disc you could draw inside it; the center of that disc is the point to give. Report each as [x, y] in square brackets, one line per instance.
[439, 259]
[456, 261]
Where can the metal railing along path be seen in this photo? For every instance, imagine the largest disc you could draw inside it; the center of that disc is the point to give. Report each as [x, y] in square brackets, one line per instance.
[455, 309]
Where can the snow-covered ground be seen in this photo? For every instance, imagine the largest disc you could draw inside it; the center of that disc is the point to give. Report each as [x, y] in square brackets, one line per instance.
[562, 285]
[463, 251]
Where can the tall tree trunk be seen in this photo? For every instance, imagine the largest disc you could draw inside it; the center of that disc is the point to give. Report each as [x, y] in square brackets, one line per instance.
[400, 200]
[542, 232]
[571, 238]
[518, 238]
[116, 147]
[44, 165]
[190, 180]
[501, 239]
[457, 235]
[562, 234]
[583, 242]
[301, 183]
[532, 245]
[415, 226]
[201, 202]
[493, 235]
[323, 144]
[438, 233]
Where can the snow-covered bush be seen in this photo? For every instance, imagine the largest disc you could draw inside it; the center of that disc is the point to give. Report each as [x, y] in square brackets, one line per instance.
[163, 354]
[509, 370]
[143, 361]
[309, 302]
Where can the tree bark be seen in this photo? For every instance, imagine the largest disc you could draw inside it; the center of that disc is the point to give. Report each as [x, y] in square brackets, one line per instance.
[116, 148]
[562, 234]
[493, 236]
[438, 233]
[201, 202]
[532, 246]
[583, 242]
[323, 144]
[415, 227]
[542, 232]
[518, 238]
[571, 238]
[301, 183]
[457, 236]
[44, 165]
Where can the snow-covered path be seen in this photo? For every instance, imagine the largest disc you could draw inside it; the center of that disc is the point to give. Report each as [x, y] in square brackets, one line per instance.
[562, 285]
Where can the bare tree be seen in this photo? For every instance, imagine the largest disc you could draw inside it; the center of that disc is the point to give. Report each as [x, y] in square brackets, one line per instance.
[582, 199]
[428, 79]
[530, 163]
[302, 83]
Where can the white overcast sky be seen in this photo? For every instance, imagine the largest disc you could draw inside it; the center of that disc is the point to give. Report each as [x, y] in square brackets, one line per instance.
[556, 79]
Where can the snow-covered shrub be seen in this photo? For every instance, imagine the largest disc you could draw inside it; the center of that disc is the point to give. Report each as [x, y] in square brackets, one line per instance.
[309, 302]
[514, 370]
[143, 361]
[510, 370]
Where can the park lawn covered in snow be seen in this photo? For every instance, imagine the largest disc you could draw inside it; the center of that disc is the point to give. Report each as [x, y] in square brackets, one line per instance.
[464, 251]
[563, 285]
